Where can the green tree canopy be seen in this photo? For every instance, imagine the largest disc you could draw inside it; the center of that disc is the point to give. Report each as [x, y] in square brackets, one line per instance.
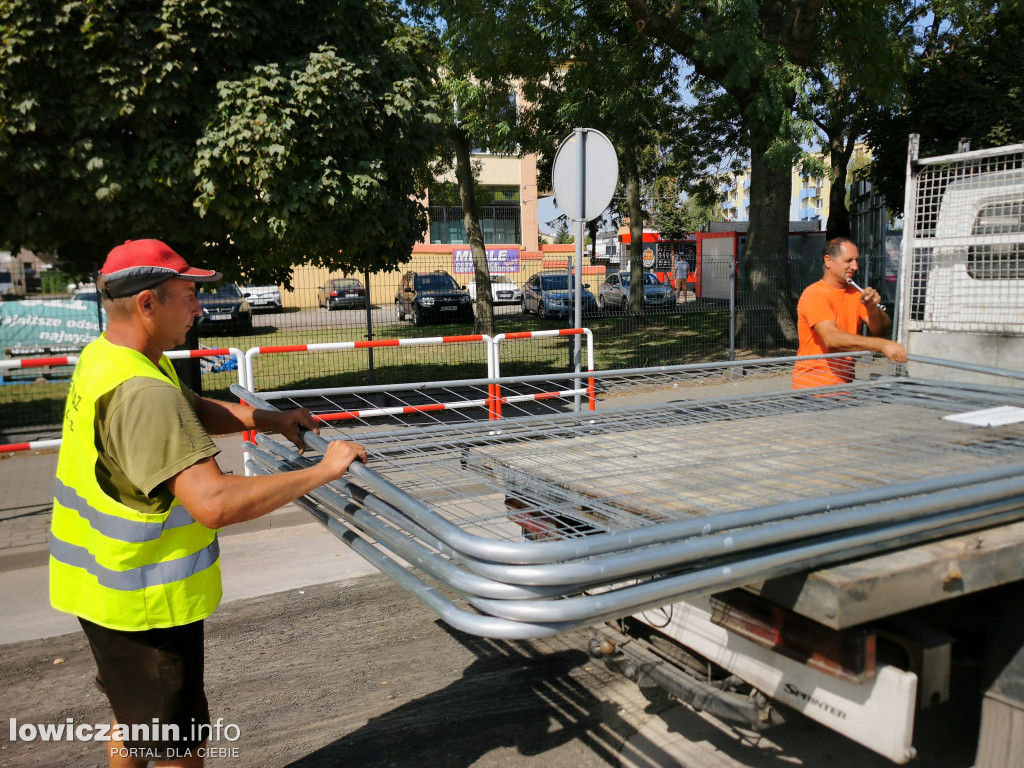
[251, 136]
[861, 67]
[675, 215]
[563, 235]
[967, 82]
[479, 72]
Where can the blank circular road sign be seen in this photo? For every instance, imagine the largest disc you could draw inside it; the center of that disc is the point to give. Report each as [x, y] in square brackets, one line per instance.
[586, 198]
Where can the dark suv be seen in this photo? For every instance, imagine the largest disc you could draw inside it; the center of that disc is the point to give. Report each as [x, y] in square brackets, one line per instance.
[224, 307]
[426, 296]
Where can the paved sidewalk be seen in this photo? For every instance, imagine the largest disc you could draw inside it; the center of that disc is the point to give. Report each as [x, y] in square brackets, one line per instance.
[26, 483]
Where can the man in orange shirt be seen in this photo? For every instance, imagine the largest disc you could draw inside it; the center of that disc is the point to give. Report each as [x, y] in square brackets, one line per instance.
[828, 320]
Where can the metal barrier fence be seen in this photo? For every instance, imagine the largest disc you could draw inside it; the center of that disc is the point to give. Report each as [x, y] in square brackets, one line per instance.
[576, 390]
[730, 322]
[965, 268]
[243, 363]
[962, 269]
[538, 525]
[67, 362]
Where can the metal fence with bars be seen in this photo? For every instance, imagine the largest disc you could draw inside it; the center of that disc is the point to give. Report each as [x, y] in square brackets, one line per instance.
[700, 330]
[562, 516]
[962, 278]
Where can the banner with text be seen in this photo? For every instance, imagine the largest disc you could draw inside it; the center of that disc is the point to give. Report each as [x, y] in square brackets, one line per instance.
[35, 327]
[499, 260]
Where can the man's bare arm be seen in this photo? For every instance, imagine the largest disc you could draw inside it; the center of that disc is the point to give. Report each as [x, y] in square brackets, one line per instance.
[219, 417]
[837, 340]
[216, 500]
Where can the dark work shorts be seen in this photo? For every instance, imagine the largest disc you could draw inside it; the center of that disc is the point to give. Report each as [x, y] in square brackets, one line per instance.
[154, 675]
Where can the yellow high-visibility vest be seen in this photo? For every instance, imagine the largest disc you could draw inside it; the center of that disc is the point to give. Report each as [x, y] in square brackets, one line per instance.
[109, 563]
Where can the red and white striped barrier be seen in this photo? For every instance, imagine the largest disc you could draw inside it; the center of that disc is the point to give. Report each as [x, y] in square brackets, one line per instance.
[250, 356]
[34, 445]
[399, 410]
[38, 362]
[496, 395]
[330, 346]
[185, 354]
[42, 362]
[35, 362]
[246, 373]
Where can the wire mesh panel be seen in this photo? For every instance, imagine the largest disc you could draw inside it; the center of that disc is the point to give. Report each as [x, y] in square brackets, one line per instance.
[549, 471]
[673, 487]
[965, 244]
[687, 480]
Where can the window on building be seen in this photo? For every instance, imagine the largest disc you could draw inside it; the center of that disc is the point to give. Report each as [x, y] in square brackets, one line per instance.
[498, 208]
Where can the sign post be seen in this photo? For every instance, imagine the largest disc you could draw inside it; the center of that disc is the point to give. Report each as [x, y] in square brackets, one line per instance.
[584, 177]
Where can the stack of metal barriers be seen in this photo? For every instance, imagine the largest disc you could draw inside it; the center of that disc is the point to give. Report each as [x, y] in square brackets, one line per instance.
[552, 519]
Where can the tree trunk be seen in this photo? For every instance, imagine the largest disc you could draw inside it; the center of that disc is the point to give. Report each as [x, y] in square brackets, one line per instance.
[484, 308]
[791, 26]
[592, 228]
[766, 316]
[838, 214]
[631, 179]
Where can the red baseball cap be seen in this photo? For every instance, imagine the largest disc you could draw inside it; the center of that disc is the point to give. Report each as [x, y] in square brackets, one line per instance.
[140, 264]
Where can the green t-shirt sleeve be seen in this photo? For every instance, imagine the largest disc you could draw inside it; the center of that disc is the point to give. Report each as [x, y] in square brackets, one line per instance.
[150, 432]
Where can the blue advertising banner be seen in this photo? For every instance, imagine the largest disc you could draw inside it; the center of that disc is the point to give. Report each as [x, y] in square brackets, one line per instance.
[30, 327]
[499, 260]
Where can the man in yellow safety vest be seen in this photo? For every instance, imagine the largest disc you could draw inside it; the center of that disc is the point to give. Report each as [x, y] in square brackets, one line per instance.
[139, 498]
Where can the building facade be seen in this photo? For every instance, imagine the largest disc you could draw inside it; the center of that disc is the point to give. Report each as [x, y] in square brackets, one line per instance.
[810, 195]
[507, 203]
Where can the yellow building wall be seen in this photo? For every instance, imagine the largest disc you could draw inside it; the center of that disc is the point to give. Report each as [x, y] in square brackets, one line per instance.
[425, 258]
[511, 171]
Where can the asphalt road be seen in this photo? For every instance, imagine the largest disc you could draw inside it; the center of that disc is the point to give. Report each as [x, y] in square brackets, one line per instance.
[355, 672]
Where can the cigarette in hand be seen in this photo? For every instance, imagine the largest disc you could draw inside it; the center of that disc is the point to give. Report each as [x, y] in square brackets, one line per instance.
[881, 306]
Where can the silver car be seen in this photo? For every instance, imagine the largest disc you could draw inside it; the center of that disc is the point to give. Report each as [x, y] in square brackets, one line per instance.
[503, 290]
[614, 292]
[263, 296]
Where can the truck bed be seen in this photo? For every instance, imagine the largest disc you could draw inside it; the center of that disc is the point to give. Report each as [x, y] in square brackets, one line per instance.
[848, 594]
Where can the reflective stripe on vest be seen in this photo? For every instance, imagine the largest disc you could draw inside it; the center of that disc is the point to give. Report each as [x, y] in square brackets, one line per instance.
[113, 527]
[109, 563]
[155, 574]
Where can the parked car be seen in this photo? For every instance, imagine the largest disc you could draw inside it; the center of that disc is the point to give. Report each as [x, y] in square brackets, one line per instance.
[263, 297]
[224, 307]
[425, 296]
[503, 290]
[85, 292]
[547, 294]
[93, 295]
[341, 292]
[614, 292]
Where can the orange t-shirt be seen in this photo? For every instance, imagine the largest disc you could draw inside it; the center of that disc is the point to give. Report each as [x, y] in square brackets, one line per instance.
[820, 301]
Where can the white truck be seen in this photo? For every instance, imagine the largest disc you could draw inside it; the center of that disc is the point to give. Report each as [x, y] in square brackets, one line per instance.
[862, 646]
